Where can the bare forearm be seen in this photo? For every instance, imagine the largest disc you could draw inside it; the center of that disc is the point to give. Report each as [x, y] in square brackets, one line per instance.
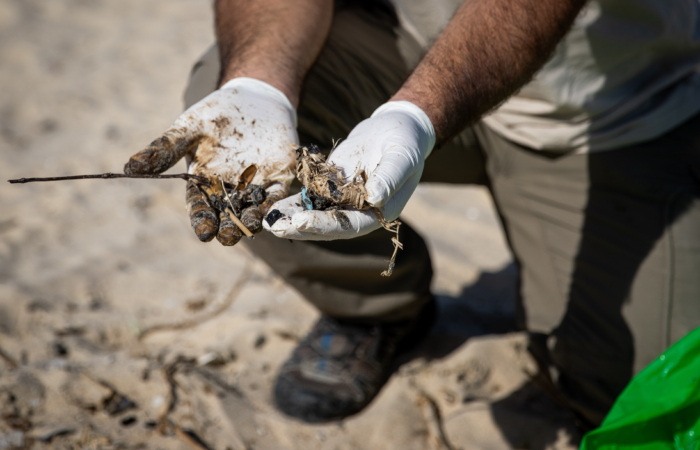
[275, 41]
[488, 50]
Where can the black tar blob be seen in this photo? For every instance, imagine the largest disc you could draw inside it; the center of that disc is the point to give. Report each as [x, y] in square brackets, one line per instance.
[273, 217]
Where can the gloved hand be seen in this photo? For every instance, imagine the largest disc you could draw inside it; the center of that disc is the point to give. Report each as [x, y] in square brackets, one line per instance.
[243, 123]
[391, 147]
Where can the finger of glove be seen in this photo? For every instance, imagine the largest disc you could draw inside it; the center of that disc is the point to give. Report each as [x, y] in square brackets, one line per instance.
[395, 167]
[294, 222]
[280, 220]
[163, 153]
[361, 149]
[337, 224]
[229, 234]
[252, 218]
[394, 206]
[203, 218]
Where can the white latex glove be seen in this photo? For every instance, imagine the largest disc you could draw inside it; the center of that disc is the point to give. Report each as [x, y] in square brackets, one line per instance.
[391, 147]
[245, 122]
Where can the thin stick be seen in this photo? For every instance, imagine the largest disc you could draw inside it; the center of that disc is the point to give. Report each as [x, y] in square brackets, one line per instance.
[184, 176]
[189, 440]
[232, 215]
[8, 359]
[235, 290]
[169, 375]
[164, 422]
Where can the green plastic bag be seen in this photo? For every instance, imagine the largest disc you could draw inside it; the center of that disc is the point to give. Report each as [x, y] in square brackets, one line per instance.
[660, 408]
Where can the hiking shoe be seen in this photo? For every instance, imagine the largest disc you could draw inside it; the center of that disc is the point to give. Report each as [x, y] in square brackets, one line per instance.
[339, 367]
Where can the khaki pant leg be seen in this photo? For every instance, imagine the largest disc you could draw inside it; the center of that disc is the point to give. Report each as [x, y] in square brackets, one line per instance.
[609, 250]
[359, 68]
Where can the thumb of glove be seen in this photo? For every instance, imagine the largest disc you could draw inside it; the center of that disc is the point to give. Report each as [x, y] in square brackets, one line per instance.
[410, 139]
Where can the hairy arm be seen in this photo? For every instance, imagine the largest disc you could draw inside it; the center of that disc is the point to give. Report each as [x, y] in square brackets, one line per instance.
[274, 41]
[488, 50]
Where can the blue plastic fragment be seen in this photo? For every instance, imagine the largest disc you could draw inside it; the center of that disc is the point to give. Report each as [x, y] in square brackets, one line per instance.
[305, 200]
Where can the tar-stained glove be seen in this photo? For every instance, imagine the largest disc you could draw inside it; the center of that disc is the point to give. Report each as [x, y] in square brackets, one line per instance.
[391, 147]
[246, 122]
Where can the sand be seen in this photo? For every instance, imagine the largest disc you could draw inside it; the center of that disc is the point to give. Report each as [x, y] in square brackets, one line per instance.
[119, 329]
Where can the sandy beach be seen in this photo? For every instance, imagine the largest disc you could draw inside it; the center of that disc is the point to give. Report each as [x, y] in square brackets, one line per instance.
[120, 330]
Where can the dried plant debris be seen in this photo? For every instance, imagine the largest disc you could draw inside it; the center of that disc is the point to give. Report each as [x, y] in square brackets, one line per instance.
[324, 188]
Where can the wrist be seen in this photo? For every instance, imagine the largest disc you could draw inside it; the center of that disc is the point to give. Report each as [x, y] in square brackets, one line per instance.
[264, 89]
[287, 87]
[422, 98]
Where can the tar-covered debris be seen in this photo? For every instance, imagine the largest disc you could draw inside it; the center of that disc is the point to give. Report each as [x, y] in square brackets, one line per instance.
[342, 218]
[273, 217]
[314, 201]
[334, 191]
[218, 201]
[237, 202]
[325, 186]
[254, 194]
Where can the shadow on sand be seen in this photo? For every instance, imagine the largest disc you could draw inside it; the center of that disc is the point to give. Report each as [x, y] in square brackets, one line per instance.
[485, 307]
